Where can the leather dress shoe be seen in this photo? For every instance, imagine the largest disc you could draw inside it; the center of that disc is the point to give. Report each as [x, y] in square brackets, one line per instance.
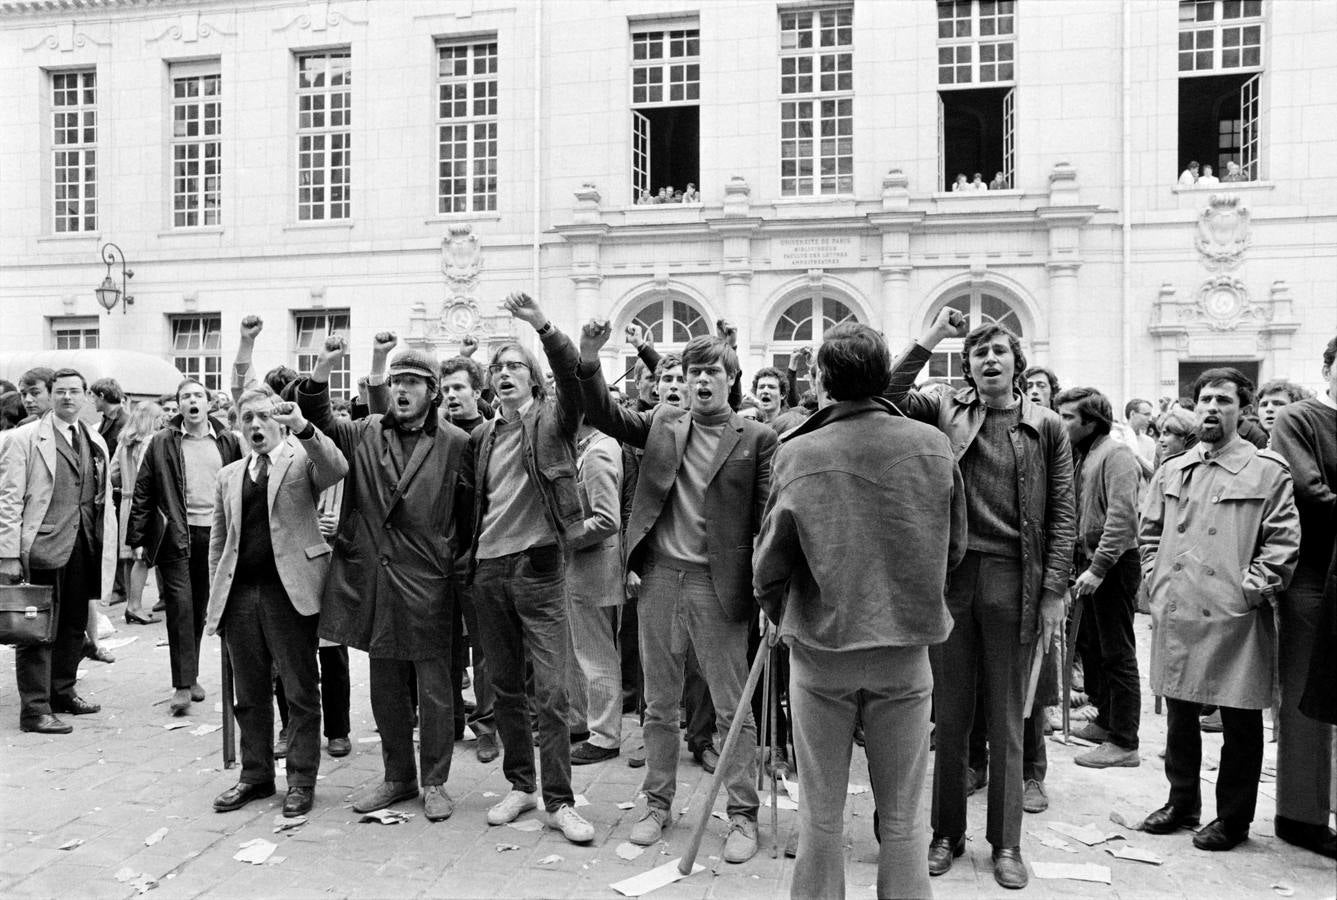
[298, 802]
[383, 794]
[180, 702]
[340, 746]
[1319, 839]
[47, 724]
[1167, 820]
[242, 793]
[196, 693]
[74, 705]
[487, 748]
[1008, 869]
[1217, 835]
[941, 851]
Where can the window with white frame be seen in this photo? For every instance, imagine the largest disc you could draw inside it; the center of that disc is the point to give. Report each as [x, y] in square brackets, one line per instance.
[1220, 62]
[74, 333]
[668, 322]
[665, 112]
[976, 97]
[74, 151]
[197, 149]
[805, 323]
[311, 329]
[197, 348]
[466, 125]
[980, 306]
[817, 101]
[324, 135]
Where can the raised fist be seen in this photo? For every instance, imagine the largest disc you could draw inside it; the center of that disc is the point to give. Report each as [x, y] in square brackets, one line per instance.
[251, 327]
[333, 350]
[525, 308]
[951, 322]
[727, 330]
[593, 336]
[634, 336]
[289, 415]
[384, 342]
[468, 346]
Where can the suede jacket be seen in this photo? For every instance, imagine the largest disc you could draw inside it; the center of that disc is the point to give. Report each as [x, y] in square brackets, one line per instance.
[1109, 484]
[1044, 483]
[866, 516]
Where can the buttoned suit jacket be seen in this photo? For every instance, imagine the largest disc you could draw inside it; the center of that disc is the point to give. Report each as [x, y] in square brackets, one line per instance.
[296, 479]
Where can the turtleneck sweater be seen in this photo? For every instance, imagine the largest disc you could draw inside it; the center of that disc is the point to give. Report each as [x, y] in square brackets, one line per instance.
[680, 535]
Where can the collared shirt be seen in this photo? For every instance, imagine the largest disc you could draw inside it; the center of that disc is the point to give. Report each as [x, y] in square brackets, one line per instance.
[501, 410]
[65, 429]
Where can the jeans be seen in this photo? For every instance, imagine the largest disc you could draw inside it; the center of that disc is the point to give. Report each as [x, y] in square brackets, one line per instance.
[1241, 761]
[894, 687]
[185, 592]
[521, 604]
[984, 598]
[678, 606]
[1109, 652]
[262, 632]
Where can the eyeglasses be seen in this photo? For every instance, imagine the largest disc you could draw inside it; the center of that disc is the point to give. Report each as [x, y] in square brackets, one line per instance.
[512, 367]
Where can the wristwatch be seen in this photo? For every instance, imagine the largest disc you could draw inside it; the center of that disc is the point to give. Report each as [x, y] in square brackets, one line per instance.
[547, 326]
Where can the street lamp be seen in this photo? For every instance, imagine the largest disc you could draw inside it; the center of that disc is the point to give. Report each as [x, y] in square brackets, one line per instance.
[108, 293]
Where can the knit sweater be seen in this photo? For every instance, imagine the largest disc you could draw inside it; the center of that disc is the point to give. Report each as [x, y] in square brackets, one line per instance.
[1305, 435]
[989, 469]
[681, 533]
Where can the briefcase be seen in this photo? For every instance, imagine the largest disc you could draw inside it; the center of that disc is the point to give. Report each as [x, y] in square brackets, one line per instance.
[26, 614]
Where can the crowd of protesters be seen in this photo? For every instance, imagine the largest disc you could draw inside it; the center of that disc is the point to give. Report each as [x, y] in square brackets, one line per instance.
[575, 552]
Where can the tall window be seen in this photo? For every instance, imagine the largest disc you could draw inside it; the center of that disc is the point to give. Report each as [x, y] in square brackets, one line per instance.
[1220, 65]
[980, 307]
[74, 333]
[669, 323]
[665, 112]
[804, 323]
[74, 150]
[311, 329]
[324, 135]
[197, 345]
[466, 123]
[976, 75]
[817, 101]
[197, 151]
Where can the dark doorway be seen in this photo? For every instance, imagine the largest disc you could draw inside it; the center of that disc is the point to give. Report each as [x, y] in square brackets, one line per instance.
[972, 134]
[1189, 372]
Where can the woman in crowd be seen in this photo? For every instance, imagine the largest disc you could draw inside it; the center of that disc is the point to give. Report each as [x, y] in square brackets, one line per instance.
[145, 419]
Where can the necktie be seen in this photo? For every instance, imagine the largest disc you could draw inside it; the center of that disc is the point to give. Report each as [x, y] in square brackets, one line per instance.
[261, 468]
[73, 434]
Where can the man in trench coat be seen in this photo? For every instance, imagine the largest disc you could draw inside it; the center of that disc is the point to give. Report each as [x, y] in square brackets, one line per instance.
[1220, 537]
[391, 589]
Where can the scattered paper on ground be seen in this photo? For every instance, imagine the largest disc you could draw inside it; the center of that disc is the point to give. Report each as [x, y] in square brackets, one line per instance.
[386, 816]
[1131, 821]
[782, 802]
[1136, 854]
[162, 643]
[256, 851]
[526, 825]
[155, 837]
[502, 848]
[117, 643]
[173, 726]
[1089, 835]
[658, 877]
[716, 814]
[1053, 843]
[628, 850]
[581, 801]
[627, 804]
[550, 860]
[202, 730]
[282, 823]
[374, 739]
[71, 844]
[1072, 871]
[491, 794]
[858, 789]
[1283, 889]
[141, 882]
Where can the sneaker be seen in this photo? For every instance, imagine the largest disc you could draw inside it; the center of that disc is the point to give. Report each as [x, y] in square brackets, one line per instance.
[1211, 724]
[437, 803]
[1033, 797]
[1085, 713]
[585, 753]
[1090, 731]
[381, 795]
[1108, 755]
[741, 844]
[514, 803]
[574, 828]
[1053, 719]
[650, 828]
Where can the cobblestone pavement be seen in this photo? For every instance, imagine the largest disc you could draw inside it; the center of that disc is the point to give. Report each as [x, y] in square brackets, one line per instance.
[82, 809]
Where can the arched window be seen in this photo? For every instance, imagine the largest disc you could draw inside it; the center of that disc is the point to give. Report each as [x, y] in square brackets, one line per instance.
[980, 307]
[804, 323]
[668, 322]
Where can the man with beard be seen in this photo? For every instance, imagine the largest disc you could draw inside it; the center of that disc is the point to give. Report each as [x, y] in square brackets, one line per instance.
[170, 518]
[268, 562]
[1220, 536]
[391, 588]
[699, 500]
[57, 528]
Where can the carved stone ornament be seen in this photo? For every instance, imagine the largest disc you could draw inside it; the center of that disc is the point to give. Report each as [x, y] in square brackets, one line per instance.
[1223, 232]
[460, 317]
[1223, 304]
[461, 257]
